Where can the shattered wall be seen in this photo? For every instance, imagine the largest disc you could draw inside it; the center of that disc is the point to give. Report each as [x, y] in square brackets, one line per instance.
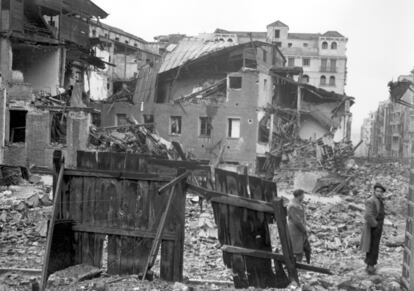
[239, 105]
[40, 66]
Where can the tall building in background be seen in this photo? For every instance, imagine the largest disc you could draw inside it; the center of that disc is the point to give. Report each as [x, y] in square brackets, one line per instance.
[322, 56]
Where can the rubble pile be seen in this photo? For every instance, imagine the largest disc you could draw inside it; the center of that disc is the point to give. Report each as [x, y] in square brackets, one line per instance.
[133, 138]
[334, 223]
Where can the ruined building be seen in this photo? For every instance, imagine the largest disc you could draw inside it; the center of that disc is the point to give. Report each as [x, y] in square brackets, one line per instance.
[124, 54]
[236, 101]
[322, 56]
[44, 56]
[391, 126]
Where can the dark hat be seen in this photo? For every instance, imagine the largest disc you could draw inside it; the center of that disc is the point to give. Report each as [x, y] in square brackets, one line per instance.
[378, 185]
[298, 192]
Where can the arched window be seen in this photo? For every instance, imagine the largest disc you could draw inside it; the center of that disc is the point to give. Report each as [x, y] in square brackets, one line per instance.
[305, 79]
[324, 45]
[323, 80]
[229, 40]
[334, 45]
[331, 81]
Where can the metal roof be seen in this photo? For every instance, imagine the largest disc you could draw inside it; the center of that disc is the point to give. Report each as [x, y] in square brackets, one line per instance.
[191, 48]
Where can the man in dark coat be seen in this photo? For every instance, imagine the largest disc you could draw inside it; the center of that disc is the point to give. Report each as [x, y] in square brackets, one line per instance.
[372, 230]
[297, 224]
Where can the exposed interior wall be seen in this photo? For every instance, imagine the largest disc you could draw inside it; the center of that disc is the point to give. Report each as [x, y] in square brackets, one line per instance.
[126, 66]
[265, 87]
[40, 66]
[311, 129]
[98, 85]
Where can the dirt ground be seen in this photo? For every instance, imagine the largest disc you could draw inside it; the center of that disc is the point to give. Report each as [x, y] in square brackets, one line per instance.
[335, 226]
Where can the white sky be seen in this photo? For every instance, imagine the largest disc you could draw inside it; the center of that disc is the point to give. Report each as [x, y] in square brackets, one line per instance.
[380, 32]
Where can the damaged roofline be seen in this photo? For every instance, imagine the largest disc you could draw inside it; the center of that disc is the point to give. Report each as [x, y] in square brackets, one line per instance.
[318, 92]
[254, 43]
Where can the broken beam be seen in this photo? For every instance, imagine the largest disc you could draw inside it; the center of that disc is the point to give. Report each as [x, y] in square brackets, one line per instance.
[116, 175]
[121, 232]
[68, 108]
[175, 181]
[233, 200]
[270, 255]
[123, 126]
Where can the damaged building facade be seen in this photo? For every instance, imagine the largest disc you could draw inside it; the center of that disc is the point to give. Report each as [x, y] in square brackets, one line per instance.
[391, 126]
[44, 54]
[233, 101]
[124, 54]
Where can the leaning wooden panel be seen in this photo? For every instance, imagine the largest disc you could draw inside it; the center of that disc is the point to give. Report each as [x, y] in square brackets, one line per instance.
[239, 226]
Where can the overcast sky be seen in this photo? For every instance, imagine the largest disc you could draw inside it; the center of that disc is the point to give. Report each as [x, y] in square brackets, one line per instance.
[380, 33]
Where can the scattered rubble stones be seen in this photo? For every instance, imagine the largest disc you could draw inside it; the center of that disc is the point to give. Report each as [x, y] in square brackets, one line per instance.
[334, 224]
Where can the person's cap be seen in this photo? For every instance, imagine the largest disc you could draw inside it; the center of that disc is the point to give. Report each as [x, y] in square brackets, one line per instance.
[378, 185]
[298, 192]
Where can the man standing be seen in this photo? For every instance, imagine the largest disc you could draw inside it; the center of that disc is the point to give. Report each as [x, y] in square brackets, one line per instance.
[372, 230]
[296, 223]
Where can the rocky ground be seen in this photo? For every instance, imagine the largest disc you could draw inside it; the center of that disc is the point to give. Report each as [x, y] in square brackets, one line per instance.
[335, 224]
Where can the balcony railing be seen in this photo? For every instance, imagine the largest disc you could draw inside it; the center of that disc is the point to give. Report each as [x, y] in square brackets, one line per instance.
[326, 69]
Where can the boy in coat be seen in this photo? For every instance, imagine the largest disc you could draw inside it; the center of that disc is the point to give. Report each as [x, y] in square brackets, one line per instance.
[372, 230]
[296, 223]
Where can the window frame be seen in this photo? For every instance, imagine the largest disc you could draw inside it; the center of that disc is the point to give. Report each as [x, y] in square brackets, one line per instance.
[308, 60]
[324, 45]
[230, 127]
[207, 127]
[233, 78]
[180, 124]
[289, 59]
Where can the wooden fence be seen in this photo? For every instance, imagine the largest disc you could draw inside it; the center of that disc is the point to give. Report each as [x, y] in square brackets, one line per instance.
[116, 196]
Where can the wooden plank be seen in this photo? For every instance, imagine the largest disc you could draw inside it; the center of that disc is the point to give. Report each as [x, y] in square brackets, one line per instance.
[233, 200]
[56, 202]
[115, 174]
[189, 165]
[271, 255]
[172, 252]
[175, 181]
[280, 216]
[86, 160]
[157, 240]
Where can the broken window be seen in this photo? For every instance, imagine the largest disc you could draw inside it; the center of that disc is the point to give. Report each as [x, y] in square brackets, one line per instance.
[235, 82]
[260, 164]
[175, 125]
[277, 33]
[17, 126]
[96, 119]
[58, 127]
[323, 80]
[233, 128]
[264, 129]
[331, 81]
[291, 62]
[324, 45]
[334, 46]
[121, 119]
[306, 62]
[205, 126]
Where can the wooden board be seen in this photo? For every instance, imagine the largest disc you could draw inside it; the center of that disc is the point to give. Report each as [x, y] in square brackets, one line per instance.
[126, 209]
[246, 227]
